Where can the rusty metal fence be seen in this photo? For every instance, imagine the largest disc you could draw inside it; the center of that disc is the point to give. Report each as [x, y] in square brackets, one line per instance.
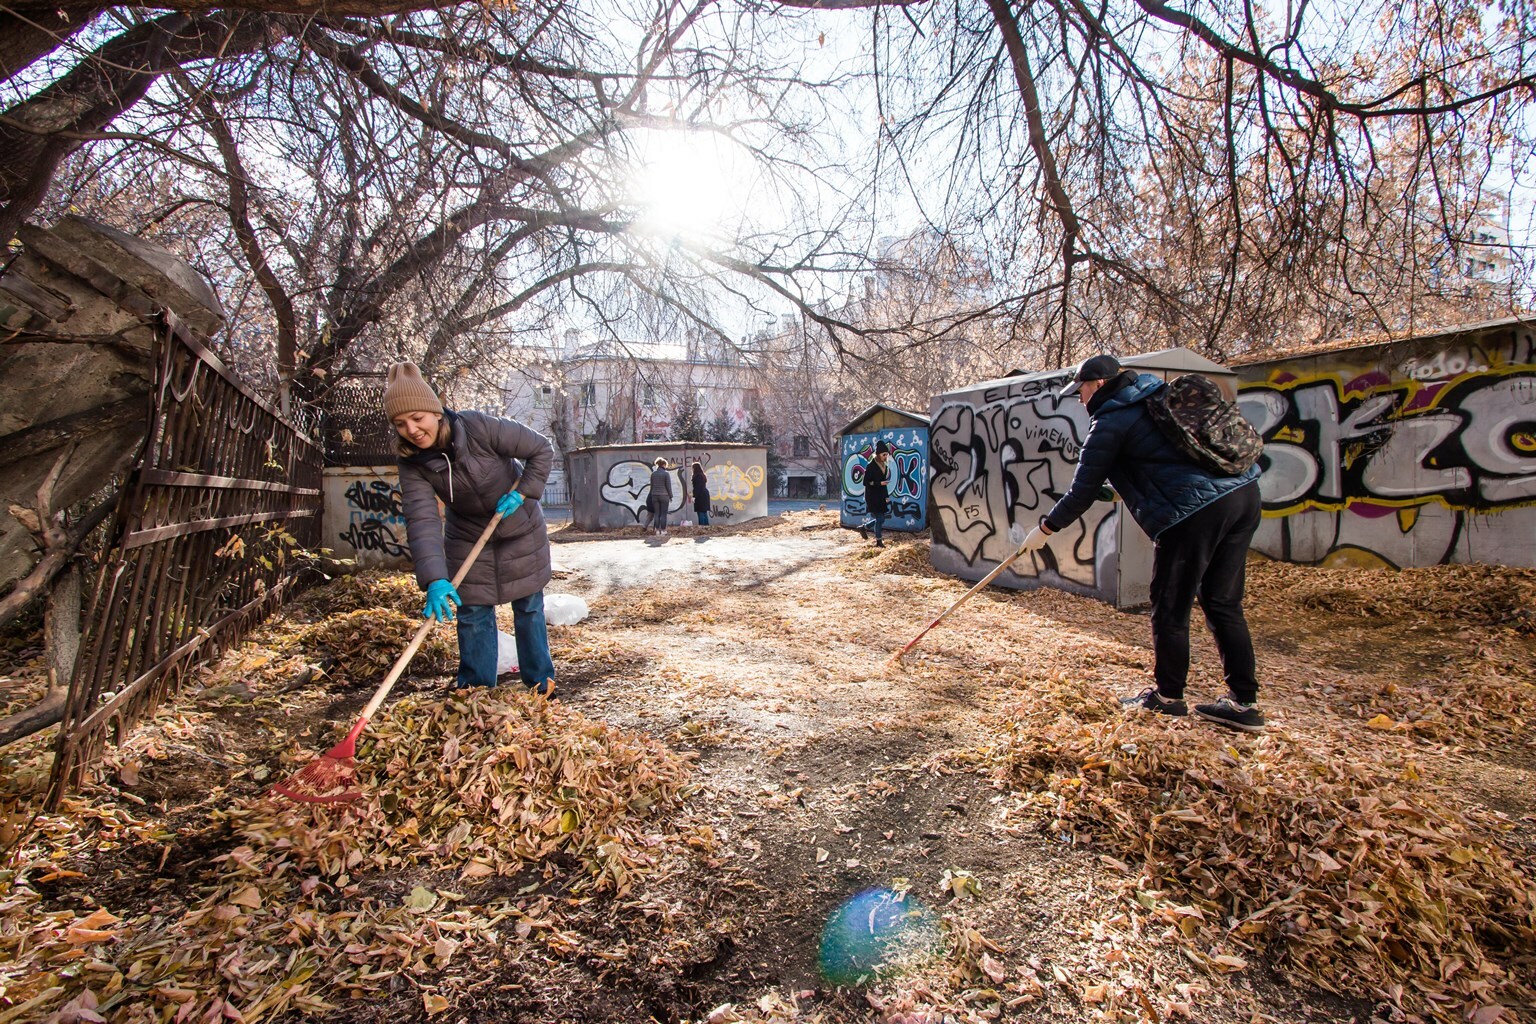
[223, 498]
[354, 431]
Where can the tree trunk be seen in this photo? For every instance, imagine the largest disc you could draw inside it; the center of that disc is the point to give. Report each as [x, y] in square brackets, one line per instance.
[61, 638]
[42, 130]
[46, 712]
[61, 627]
[30, 32]
[54, 561]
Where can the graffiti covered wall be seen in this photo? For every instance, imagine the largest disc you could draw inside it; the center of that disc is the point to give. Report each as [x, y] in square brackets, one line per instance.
[610, 486]
[363, 519]
[908, 485]
[1002, 453]
[1416, 453]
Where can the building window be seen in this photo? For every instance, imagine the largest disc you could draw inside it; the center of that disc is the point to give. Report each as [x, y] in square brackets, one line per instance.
[649, 399]
[802, 446]
[588, 395]
[543, 394]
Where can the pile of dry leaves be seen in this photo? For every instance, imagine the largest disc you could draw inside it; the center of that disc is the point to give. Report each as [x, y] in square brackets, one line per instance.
[357, 648]
[368, 589]
[293, 916]
[1359, 880]
[1483, 595]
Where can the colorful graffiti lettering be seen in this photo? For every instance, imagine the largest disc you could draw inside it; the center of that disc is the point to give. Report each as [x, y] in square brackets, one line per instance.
[998, 465]
[907, 487]
[1468, 444]
[728, 482]
[1431, 460]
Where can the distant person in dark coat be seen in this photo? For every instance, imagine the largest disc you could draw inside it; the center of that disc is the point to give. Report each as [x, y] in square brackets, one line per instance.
[1201, 526]
[661, 496]
[877, 475]
[477, 465]
[700, 484]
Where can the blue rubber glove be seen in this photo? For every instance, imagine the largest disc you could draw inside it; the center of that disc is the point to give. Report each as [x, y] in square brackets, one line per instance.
[442, 599]
[509, 503]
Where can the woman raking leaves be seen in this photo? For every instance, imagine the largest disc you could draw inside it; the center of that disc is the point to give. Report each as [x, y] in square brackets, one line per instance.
[478, 466]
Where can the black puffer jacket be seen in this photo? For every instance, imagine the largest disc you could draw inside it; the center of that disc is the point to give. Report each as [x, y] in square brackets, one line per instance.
[1124, 446]
[486, 456]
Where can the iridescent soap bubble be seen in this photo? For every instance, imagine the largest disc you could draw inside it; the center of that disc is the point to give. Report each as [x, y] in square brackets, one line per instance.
[877, 933]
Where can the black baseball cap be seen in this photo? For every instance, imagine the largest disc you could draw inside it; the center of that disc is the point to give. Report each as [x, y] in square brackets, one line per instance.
[1097, 368]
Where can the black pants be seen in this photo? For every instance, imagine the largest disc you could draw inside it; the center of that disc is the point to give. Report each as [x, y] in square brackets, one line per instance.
[1205, 557]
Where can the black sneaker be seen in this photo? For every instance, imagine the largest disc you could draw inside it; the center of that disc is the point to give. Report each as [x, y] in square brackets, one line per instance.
[863, 529]
[1150, 700]
[1230, 713]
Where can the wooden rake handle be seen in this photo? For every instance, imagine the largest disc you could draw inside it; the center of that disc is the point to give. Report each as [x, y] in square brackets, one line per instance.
[988, 578]
[425, 627]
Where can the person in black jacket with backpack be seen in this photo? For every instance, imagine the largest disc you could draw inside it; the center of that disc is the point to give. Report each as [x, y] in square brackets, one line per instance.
[1201, 525]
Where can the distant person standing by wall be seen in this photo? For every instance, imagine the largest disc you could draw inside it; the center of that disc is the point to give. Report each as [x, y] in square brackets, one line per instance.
[877, 476]
[477, 466]
[700, 493]
[661, 496]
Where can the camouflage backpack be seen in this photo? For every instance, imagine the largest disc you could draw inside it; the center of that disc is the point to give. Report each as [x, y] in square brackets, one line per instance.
[1206, 427]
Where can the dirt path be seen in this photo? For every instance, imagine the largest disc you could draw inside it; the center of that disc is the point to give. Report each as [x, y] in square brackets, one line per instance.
[826, 774]
[832, 774]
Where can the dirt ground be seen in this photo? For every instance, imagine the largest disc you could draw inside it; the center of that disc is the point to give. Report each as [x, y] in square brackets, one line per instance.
[1361, 861]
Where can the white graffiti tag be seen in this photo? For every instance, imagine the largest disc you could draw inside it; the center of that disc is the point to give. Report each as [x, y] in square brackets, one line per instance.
[629, 485]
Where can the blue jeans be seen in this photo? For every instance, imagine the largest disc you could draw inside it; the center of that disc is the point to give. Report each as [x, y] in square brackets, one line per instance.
[477, 643]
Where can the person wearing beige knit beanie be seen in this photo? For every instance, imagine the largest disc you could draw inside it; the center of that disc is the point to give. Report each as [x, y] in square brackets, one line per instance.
[413, 408]
[457, 471]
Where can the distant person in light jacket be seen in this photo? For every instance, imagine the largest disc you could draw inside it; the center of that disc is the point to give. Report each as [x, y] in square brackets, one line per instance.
[477, 465]
[661, 496]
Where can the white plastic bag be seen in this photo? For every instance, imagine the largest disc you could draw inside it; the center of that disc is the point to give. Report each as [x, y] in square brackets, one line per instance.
[564, 609]
[506, 653]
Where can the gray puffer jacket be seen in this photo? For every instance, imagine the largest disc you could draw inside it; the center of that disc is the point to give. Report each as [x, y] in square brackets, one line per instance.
[486, 456]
